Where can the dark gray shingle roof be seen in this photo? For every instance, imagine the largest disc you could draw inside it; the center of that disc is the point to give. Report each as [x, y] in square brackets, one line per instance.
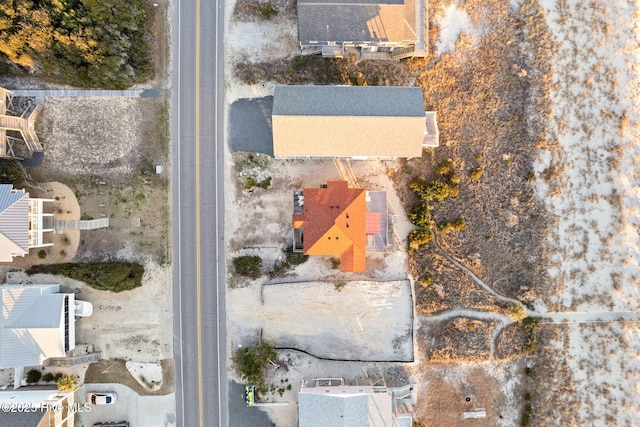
[356, 21]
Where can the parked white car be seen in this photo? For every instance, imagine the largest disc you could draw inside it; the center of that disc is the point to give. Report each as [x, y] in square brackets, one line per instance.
[101, 398]
[83, 308]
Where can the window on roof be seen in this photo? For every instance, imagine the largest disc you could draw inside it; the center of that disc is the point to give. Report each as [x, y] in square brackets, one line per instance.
[347, 216]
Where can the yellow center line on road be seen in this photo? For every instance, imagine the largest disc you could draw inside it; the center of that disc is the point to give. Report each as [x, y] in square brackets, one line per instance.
[197, 166]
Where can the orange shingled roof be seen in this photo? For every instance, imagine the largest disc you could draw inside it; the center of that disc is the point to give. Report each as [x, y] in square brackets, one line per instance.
[334, 223]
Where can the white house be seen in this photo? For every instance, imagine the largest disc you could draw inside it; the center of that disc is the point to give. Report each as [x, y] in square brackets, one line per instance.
[23, 223]
[37, 323]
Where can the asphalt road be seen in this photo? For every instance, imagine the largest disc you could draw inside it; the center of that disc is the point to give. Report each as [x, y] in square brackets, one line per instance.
[197, 141]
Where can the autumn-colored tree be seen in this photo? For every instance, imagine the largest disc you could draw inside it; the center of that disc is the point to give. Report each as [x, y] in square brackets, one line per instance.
[90, 43]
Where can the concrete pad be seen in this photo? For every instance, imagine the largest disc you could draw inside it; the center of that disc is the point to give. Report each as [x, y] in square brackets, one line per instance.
[140, 411]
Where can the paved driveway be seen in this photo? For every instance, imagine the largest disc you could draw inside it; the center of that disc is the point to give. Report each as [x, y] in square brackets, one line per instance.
[140, 411]
[250, 125]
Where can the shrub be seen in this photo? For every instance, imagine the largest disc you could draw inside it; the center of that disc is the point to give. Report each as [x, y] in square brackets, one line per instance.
[526, 415]
[48, 377]
[247, 265]
[42, 254]
[67, 382]
[417, 238]
[57, 376]
[296, 258]
[437, 190]
[85, 217]
[265, 183]
[335, 263]
[516, 311]
[476, 174]
[427, 280]
[530, 324]
[104, 276]
[339, 285]
[11, 173]
[418, 186]
[268, 11]
[250, 362]
[454, 190]
[250, 183]
[420, 215]
[457, 225]
[33, 376]
[446, 168]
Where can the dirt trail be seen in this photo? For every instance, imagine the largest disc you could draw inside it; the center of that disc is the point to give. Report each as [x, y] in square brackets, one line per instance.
[471, 273]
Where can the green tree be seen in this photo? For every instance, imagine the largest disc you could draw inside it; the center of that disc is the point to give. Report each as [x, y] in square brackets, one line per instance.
[250, 362]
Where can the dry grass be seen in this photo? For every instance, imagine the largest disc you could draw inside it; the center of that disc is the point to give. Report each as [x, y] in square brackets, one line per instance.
[255, 10]
[492, 116]
[549, 381]
[513, 341]
[460, 340]
[307, 70]
[117, 373]
[451, 288]
[109, 163]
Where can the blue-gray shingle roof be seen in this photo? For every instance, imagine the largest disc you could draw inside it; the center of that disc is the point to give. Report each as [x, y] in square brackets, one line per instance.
[380, 101]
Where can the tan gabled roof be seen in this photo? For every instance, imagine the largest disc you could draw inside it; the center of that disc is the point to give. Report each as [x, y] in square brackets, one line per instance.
[348, 121]
[354, 136]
